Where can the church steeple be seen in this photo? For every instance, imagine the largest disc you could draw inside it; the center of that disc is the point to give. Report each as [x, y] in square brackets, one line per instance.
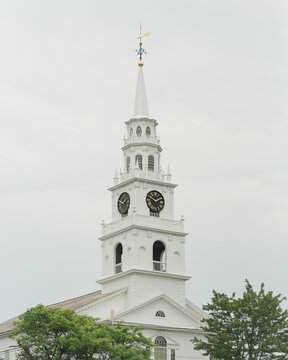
[143, 248]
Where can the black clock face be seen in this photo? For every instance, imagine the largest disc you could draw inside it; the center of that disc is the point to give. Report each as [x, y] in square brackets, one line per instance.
[155, 201]
[123, 203]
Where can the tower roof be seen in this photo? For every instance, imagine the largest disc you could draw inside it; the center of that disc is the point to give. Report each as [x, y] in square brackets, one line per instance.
[141, 105]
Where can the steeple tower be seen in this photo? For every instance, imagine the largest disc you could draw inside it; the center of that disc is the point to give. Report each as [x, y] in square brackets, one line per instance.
[143, 248]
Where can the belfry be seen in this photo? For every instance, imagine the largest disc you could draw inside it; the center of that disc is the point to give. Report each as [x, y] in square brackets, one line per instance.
[143, 248]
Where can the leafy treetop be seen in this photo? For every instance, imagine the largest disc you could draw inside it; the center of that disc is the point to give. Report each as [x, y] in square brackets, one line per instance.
[51, 333]
[252, 327]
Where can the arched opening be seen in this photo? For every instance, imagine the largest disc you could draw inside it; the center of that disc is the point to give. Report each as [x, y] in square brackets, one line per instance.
[138, 131]
[131, 132]
[160, 348]
[128, 163]
[160, 313]
[118, 258]
[151, 163]
[138, 161]
[148, 131]
[159, 256]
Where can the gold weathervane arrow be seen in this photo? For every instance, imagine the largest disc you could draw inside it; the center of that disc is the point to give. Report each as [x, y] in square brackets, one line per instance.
[147, 33]
[141, 51]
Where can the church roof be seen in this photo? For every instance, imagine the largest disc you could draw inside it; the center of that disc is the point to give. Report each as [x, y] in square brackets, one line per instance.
[73, 304]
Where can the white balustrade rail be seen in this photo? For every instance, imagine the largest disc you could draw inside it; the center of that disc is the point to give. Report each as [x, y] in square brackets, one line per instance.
[159, 266]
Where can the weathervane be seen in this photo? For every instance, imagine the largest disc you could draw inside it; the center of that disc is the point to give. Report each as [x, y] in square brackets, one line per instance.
[141, 51]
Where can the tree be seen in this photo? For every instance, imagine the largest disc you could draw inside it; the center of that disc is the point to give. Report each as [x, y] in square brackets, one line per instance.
[252, 327]
[50, 333]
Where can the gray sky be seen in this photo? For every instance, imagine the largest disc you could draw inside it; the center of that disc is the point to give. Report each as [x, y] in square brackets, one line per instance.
[217, 82]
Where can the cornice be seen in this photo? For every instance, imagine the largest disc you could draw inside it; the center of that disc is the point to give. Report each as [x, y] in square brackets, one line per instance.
[145, 273]
[135, 119]
[141, 227]
[165, 328]
[144, 143]
[143, 180]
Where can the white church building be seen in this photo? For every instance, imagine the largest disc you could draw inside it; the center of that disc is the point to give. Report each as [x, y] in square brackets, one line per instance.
[143, 250]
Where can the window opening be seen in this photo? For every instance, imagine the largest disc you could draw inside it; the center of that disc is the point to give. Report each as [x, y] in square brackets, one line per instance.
[148, 131]
[151, 162]
[155, 214]
[139, 131]
[128, 163]
[159, 254]
[131, 132]
[173, 355]
[160, 348]
[138, 160]
[118, 258]
[160, 313]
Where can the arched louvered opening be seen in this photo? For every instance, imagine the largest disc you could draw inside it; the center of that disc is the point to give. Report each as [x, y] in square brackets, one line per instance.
[160, 348]
[151, 163]
[118, 258]
[148, 131]
[138, 161]
[138, 131]
[128, 163]
[160, 313]
[159, 256]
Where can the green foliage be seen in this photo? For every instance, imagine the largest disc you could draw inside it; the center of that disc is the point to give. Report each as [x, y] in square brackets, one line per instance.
[251, 327]
[50, 333]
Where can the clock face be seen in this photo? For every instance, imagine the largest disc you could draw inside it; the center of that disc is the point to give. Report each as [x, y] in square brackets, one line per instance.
[123, 203]
[155, 201]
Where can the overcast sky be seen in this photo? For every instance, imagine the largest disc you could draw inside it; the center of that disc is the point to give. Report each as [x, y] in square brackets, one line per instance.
[217, 82]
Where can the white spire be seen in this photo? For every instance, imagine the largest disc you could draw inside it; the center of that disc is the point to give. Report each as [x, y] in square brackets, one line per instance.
[141, 105]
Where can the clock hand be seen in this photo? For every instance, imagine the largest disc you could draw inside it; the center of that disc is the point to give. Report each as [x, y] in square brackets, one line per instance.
[158, 199]
[152, 198]
[121, 202]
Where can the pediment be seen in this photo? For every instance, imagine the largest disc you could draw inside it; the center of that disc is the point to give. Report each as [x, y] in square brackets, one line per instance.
[149, 313]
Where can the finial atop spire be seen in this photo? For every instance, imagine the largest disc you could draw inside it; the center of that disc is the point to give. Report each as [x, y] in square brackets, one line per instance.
[141, 51]
[141, 105]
